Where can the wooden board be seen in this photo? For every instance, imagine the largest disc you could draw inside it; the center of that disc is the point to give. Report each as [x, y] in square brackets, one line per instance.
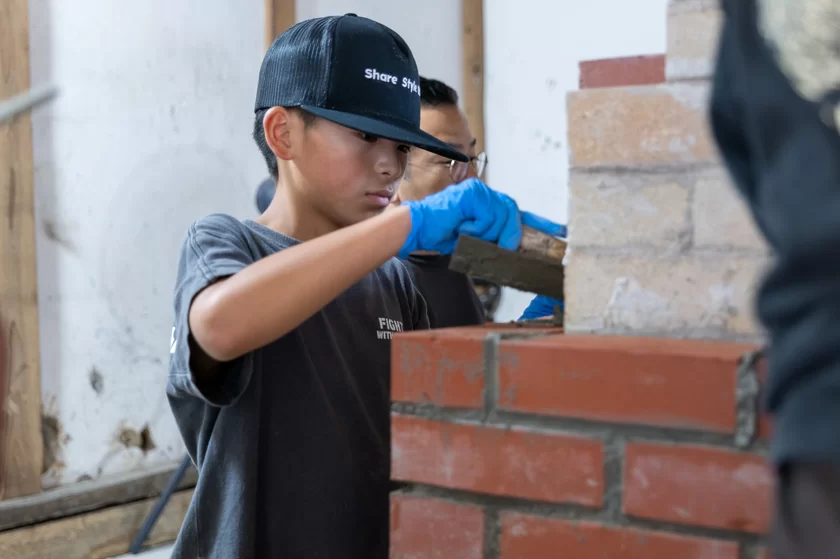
[529, 272]
[279, 16]
[473, 52]
[91, 495]
[21, 445]
[96, 535]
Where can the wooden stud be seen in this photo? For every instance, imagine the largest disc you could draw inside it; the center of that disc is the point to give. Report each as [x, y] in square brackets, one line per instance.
[279, 16]
[85, 496]
[96, 535]
[473, 52]
[21, 443]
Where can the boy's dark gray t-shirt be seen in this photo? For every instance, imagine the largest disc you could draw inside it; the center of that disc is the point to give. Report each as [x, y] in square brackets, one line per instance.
[293, 448]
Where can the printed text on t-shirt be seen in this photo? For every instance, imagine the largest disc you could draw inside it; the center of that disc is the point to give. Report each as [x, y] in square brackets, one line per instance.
[387, 327]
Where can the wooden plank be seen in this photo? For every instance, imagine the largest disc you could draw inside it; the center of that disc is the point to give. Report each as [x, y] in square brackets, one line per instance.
[473, 52]
[529, 272]
[279, 16]
[86, 496]
[96, 535]
[21, 444]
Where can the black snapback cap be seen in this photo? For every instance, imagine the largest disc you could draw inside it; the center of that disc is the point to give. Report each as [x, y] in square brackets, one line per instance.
[352, 71]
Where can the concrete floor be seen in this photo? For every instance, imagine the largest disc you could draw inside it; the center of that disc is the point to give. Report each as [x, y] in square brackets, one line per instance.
[163, 552]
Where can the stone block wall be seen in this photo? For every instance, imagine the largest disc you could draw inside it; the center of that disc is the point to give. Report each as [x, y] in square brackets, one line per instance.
[660, 242]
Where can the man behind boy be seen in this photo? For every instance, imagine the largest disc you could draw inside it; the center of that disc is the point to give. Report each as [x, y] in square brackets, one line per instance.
[450, 296]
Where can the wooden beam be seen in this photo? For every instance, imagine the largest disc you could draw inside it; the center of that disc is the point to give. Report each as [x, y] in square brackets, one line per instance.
[473, 52]
[86, 496]
[21, 443]
[96, 535]
[279, 16]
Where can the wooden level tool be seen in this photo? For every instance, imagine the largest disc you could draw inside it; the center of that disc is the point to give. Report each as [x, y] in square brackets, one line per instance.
[536, 267]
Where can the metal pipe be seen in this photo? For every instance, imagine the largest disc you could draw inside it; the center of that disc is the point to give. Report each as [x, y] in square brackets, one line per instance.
[18, 104]
[150, 521]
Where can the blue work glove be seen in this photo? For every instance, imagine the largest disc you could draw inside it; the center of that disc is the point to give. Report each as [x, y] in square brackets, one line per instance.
[543, 224]
[540, 307]
[469, 208]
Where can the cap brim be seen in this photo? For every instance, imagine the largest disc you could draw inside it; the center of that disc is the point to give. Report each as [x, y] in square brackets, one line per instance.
[397, 132]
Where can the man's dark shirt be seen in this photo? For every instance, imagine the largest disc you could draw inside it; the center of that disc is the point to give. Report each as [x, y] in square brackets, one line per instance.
[450, 297]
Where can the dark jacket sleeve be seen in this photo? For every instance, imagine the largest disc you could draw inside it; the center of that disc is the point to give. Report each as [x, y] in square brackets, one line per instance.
[783, 151]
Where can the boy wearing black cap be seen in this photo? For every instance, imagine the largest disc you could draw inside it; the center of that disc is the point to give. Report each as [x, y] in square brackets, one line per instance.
[279, 373]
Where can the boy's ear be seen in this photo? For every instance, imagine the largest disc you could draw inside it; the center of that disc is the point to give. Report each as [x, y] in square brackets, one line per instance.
[277, 125]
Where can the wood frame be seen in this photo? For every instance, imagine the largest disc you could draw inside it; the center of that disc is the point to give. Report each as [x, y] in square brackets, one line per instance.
[473, 67]
[21, 442]
[279, 16]
[83, 497]
[99, 534]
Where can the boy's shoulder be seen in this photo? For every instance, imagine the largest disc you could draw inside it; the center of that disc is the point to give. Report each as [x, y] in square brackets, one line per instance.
[212, 229]
[218, 223]
[246, 233]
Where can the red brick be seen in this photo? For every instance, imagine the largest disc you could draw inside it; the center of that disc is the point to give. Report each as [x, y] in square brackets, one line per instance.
[630, 70]
[441, 367]
[444, 367]
[765, 426]
[497, 461]
[765, 554]
[537, 538]
[695, 485]
[434, 529]
[651, 381]
[765, 422]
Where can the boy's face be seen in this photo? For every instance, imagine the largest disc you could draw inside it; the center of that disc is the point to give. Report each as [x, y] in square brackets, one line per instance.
[429, 173]
[345, 175]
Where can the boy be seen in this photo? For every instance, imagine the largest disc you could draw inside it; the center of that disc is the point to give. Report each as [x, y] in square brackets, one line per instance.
[775, 116]
[279, 375]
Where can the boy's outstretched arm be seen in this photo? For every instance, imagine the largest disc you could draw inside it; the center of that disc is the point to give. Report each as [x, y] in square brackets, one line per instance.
[269, 298]
[272, 296]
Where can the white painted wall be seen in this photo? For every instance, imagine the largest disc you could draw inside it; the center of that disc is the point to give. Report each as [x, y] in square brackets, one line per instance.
[152, 130]
[432, 29]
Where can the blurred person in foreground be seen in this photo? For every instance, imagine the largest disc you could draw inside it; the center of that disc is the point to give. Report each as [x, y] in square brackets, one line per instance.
[775, 113]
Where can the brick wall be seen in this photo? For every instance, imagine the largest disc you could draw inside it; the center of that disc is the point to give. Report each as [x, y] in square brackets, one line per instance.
[526, 443]
[660, 243]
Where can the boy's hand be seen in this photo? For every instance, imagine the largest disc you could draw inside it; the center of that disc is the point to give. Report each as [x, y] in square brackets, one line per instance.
[469, 208]
[541, 307]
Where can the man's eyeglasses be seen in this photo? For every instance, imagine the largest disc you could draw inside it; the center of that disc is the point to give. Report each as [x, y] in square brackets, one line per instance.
[459, 170]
